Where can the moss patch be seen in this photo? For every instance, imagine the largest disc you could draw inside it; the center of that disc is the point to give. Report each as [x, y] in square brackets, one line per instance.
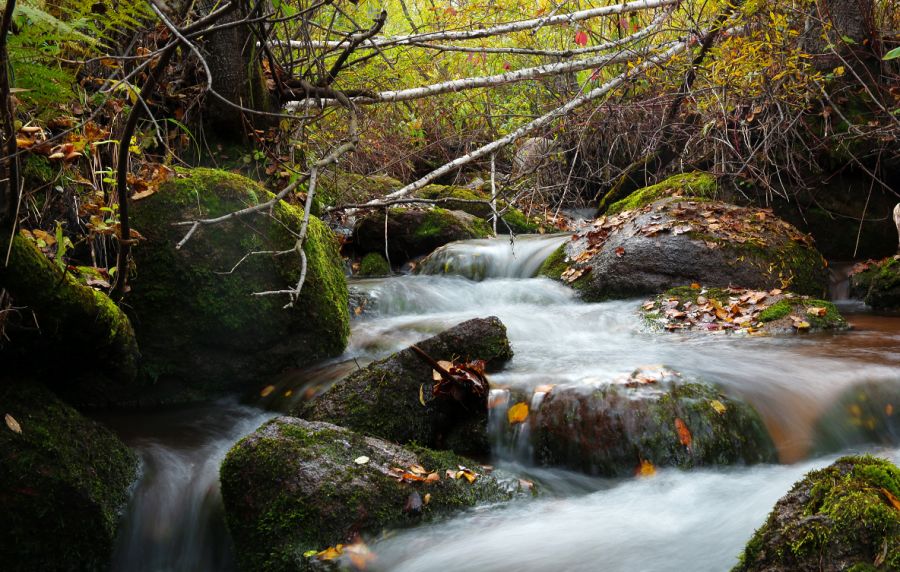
[224, 335]
[515, 220]
[696, 185]
[836, 518]
[63, 484]
[878, 283]
[374, 264]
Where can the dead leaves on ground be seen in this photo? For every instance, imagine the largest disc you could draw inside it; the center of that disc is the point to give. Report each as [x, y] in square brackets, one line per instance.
[358, 553]
[12, 424]
[464, 383]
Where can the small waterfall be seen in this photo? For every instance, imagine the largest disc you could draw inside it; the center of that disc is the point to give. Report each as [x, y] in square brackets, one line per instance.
[492, 258]
[175, 520]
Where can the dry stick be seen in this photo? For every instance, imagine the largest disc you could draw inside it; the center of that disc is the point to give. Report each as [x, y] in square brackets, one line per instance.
[11, 192]
[530, 127]
[387, 254]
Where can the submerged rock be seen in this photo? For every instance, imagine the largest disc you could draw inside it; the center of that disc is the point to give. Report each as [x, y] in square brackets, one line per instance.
[739, 310]
[867, 413]
[297, 486]
[841, 518]
[77, 325]
[674, 242]
[393, 398]
[201, 331]
[877, 283]
[651, 418]
[64, 480]
[414, 232]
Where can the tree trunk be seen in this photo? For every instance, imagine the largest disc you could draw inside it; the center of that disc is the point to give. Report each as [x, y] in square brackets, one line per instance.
[839, 26]
[234, 63]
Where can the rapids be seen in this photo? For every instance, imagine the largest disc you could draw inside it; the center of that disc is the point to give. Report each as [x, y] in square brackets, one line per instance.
[675, 521]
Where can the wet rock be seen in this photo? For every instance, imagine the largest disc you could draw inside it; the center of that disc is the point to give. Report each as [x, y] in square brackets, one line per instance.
[297, 486]
[414, 232]
[200, 329]
[843, 517]
[512, 220]
[867, 413]
[740, 311]
[64, 480]
[392, 398]
[674, 242]
[77, 325]
[877, 283]
[651, 416]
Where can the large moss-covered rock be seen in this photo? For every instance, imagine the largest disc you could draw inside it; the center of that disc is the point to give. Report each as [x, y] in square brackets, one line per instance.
[845, 517]
[392, 398]
[513, 220]
[200, 328]
[63, 481]
[78, 325]
[867, 413]
[295, 486]
[374, 264]
[414, 232]
[738, 310]
[877, 283]
[651, 416]
[675, 242]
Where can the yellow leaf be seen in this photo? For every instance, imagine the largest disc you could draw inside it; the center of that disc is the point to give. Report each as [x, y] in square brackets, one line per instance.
[718, 406]
[695, 286]
[646, 469]
[267, 390]
[331, 552]
[13, 424]
[361, 460]
[422, 394]
[517, 413]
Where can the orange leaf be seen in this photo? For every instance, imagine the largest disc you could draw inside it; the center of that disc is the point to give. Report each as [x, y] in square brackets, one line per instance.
[645, 469]
[517, 413]
[684, 434]
[891, 498]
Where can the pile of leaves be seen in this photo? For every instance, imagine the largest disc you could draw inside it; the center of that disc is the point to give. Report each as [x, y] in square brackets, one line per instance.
[739, 310]
[463, 383]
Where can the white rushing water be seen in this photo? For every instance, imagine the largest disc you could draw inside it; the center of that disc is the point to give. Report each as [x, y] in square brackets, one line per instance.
[674, 521]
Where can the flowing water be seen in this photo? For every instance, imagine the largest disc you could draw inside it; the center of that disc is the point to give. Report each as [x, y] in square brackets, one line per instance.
[676, 521]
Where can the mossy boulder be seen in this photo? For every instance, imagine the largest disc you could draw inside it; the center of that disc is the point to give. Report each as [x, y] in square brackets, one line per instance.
[673, 242]
[374, 264]
[392, 398]
[742, 311]
[845, 517]
[696, 184]
[63, 483]
[650, 416]
[200, 328]
[78, 325]
[297, 486]
[513, 220]
[867, 413]
[877, 283]
[414, 232]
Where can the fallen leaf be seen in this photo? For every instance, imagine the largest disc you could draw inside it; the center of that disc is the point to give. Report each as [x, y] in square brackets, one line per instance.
[418, 470]
[422, 395]
[645, 469]
[816, 311]
[432, 478]
[526, 484]
[359, 554]
[695, 286]
[361, 460]
[267, 390]
[427, 498]
[13, 424]
[620, 252]
[143, 194]
[546, 388]
[684, 434]
[889, 409]
[718, 406]
[517, 413]
[891, 498]
[331, 552]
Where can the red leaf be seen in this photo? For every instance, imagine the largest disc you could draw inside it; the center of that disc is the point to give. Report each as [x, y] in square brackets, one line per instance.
[581, 38]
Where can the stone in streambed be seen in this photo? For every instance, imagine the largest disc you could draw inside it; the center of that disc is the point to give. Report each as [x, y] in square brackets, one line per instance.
[845, 517]
[295, 486]
[385, 399]
[652, 415]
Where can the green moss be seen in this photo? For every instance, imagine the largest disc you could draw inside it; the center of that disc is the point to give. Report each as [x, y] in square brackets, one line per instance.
[64, 482]
[514, 218]
[438, 221]
[374, 264]
[213, 306]
[696, 184]
[843, 515]
[80, 324]
[555, 265]
[776, 311]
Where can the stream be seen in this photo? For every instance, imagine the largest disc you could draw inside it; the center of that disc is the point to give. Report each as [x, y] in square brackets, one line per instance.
[675, 521]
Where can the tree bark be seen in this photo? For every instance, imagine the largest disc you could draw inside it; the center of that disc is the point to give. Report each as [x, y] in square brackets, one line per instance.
[836, 28]
[9, 173]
